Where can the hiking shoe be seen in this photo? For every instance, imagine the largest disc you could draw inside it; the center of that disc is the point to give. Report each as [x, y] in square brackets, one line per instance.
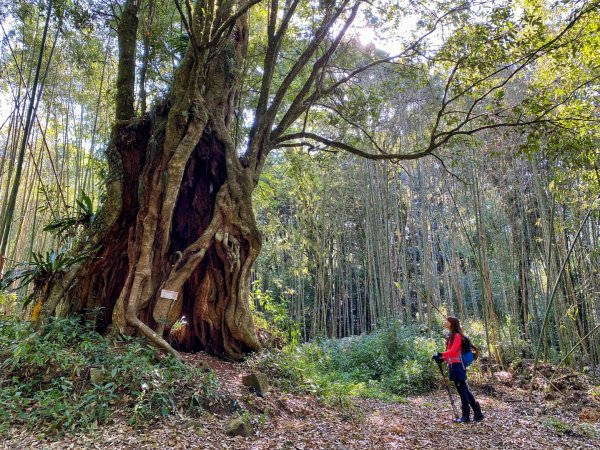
[478, 417]
[463, 419]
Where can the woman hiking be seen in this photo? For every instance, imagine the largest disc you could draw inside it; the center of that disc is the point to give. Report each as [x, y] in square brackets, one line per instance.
[458, 371]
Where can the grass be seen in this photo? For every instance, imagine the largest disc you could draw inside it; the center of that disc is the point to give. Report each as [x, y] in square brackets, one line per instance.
[44, 375]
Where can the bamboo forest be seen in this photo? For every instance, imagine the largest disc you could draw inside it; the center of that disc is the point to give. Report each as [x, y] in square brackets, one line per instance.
[300, 224]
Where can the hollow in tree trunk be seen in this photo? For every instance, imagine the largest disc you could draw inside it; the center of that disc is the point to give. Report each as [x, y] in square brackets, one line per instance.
[178, 236]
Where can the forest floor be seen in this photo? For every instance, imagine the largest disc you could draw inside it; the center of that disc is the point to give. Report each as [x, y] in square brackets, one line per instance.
[287, 421]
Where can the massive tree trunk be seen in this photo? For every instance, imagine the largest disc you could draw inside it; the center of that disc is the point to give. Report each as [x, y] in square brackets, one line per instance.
[178, 236]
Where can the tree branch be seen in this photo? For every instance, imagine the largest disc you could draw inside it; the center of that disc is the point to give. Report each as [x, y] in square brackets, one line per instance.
[350, 148]
[355, 125]
[186, 25]
[298, 102]
[521, 63]
[230, 22]
[291, 116]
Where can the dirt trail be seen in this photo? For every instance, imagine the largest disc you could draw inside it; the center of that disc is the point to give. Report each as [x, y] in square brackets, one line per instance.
[285, 421]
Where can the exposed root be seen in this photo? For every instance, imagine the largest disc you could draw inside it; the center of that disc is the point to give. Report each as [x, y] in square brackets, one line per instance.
[153, 337]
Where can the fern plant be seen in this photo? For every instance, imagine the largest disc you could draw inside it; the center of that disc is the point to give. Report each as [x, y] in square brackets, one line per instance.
[85, 216]
[40, 271]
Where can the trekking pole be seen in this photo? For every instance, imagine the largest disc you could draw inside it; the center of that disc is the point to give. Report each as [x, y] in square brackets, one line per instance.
[447, 384]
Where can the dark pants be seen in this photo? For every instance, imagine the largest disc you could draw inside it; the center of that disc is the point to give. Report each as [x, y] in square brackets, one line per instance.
[466, 398]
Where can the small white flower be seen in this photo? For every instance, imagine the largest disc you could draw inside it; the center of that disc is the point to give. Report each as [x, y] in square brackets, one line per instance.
[145, 387]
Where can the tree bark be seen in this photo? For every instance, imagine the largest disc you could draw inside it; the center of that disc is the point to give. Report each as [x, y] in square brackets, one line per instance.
[127, 32]
[178, 235]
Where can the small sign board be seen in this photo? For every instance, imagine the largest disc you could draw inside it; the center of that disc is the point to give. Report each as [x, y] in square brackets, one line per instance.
[169, 295]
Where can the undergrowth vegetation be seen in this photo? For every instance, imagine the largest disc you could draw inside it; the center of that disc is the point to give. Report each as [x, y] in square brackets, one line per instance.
[387, 364]
[45, 381]
[274, 326]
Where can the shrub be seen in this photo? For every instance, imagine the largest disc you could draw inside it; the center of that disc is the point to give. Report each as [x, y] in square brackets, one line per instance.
[414, 375]
[395, 360]
[557, 425]
[8, 304]
[46, 384]
[274, 326]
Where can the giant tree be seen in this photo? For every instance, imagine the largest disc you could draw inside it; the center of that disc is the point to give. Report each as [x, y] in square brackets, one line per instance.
[177, 236]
